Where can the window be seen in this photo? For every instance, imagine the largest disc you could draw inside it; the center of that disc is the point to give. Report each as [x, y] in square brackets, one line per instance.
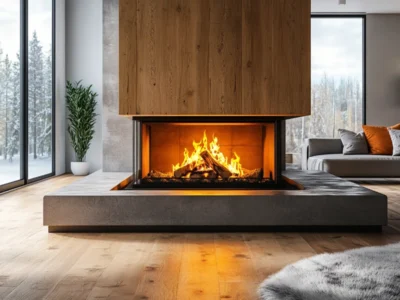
[40, 88]
[26, 91]
[337, 82]
[10, 100]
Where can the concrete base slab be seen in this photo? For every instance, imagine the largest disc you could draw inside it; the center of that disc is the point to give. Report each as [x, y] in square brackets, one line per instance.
[326, 200]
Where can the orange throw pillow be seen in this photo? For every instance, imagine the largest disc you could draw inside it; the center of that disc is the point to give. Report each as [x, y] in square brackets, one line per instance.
[378, 139]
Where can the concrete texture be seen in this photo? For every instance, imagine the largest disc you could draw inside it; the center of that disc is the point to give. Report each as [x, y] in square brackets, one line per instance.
[325, 200]
[383, 69]
[117, 130]
[84, 45]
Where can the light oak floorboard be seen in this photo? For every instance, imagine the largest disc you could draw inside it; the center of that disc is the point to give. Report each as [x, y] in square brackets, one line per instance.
[238, 278]
[198, 273]
[37, 265]
[161, 276]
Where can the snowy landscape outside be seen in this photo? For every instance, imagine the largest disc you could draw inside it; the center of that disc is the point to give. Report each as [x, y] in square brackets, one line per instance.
[39, 90]
[336, 83]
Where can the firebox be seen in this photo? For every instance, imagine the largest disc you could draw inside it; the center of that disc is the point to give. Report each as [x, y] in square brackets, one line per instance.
[207, 153]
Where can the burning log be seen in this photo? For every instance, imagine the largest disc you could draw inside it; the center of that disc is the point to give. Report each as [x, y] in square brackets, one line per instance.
[255, 174]
[182, 171]
[198, 174]
[220, 169]
[158, 174]
[212, 175]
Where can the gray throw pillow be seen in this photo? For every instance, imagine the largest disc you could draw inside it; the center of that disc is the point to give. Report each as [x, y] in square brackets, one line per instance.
[395, 136]
[353, 143]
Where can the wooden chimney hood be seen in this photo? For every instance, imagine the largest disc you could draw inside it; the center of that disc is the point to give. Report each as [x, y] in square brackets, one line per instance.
[214, 57]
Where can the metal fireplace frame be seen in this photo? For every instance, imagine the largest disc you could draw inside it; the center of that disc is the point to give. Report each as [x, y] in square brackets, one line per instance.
[278, 182]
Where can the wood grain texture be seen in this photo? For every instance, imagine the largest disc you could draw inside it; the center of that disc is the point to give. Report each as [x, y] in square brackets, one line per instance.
[127, 57]
[276, 57]
[225, 60]
[225, 57]
[172, 57]
[199, 274]
[38, 265]
[163, 270]
[238, 279]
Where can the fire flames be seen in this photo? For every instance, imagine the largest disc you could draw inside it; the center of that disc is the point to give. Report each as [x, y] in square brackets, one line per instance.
[195, 159]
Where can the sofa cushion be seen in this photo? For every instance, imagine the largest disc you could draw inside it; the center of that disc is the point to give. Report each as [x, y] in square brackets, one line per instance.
[353, 143]
[319, 146]
[356, 165]
[378, 139]
[395, 136]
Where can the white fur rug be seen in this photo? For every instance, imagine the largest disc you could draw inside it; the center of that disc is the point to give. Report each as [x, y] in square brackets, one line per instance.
[361, 274]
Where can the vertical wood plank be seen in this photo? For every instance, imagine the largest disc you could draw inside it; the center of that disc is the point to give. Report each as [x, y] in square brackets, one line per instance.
[238, 279]
[127, 57]
[225, 56]
[276, 62]
[194, 57]
[161, 277]
[257, 79]
[199, 275]
[173, 56]
[291, 45]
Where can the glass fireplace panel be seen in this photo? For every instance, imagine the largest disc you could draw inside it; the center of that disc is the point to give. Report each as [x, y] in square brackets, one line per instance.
[207, 154]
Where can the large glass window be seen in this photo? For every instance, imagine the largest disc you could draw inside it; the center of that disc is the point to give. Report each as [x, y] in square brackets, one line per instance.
[40, 92]
[337, 68]
[26, 91]
[10, 100]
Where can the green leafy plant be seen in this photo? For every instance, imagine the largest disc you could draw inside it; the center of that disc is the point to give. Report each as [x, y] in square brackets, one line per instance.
[81, 105]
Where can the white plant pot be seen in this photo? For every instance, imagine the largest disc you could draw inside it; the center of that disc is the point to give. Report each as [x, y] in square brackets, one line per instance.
[80, 168]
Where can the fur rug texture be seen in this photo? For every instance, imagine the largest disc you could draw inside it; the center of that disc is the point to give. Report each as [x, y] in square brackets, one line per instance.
[360, 274]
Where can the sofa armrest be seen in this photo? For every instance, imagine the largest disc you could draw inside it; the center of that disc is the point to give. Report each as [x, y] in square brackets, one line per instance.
[319, 146]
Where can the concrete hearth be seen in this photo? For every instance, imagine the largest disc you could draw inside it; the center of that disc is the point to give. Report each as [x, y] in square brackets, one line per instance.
[326, 200]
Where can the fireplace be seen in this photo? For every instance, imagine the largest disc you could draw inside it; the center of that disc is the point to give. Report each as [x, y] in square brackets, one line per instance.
[207, 153]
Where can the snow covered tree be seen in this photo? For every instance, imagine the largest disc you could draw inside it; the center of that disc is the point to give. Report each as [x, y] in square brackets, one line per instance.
[39, 102]
[2, 111]
[45, 114]
[36, 93]
[7, 97]
[15, 110]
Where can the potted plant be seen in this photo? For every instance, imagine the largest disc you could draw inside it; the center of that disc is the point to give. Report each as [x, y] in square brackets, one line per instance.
[81, 105]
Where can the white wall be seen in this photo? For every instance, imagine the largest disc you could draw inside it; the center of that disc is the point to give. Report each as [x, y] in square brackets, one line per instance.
[84, 56]
[60, 88]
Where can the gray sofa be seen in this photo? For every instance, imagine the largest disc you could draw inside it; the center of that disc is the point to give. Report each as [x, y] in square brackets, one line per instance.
[326, 155]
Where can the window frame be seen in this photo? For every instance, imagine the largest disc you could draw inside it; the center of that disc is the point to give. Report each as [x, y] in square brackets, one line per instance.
[24, 138]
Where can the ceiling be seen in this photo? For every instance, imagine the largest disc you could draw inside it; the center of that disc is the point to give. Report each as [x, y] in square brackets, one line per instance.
[356, 6]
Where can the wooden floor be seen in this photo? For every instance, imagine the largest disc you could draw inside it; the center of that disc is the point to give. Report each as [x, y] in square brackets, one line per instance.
[37, 265]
